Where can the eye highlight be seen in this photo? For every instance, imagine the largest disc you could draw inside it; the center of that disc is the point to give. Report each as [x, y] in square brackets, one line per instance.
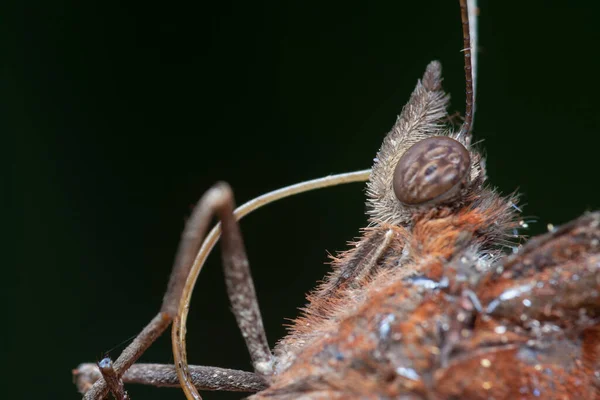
[431, 170]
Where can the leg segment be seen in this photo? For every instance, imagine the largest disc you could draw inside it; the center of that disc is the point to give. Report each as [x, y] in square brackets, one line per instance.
[163, 375]
[240, 290]
[218, 200]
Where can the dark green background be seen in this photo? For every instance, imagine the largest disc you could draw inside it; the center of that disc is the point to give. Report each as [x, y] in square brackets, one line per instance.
[119, 115]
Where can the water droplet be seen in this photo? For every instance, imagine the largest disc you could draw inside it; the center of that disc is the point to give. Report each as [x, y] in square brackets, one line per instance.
[500, 330]
[408, 373]
[384, 326]
[424, 282]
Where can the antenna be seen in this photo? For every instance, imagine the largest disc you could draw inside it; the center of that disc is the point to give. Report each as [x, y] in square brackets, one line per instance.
[468, 15]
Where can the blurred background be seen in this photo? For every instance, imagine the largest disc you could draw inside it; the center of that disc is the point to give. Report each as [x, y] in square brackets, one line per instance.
[119, 115]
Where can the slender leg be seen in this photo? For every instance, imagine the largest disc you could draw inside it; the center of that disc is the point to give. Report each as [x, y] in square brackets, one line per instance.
[240, 287]
[163, 375]
[241, 293]
[218, 200]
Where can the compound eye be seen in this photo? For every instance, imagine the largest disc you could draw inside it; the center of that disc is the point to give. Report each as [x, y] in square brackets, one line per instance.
[431, 170]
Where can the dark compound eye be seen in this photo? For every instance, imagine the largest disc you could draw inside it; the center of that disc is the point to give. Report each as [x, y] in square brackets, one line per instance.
[431, 170]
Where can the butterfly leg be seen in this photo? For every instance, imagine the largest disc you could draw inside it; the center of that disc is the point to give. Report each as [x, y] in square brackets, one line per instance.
[164, 375]
[216, 201]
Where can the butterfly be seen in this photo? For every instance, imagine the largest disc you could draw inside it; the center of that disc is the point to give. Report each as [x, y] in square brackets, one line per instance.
[428, 303]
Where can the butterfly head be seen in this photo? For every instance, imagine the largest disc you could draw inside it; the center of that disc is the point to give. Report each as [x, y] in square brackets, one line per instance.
[422, 163]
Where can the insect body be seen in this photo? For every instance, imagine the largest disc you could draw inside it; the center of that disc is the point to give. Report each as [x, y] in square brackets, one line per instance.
[409, 312]
[426, 305]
